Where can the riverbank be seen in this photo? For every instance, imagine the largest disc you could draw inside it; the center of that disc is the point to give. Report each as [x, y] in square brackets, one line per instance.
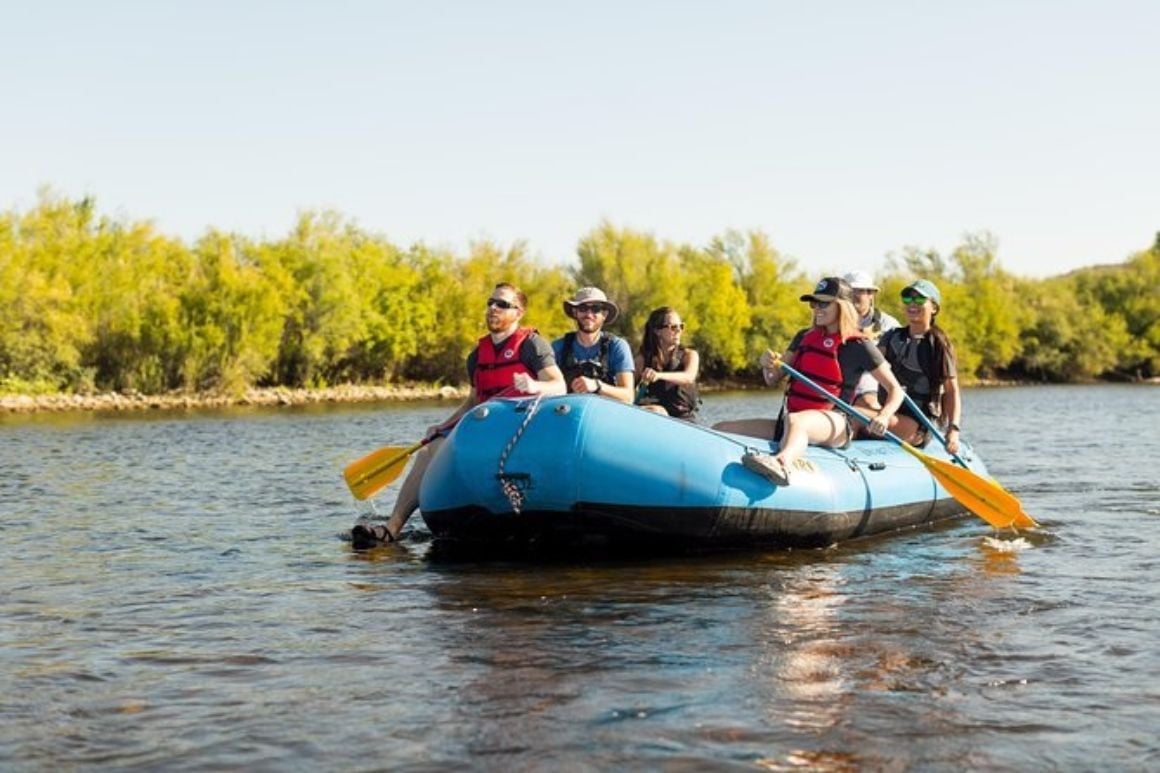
[278, 396]
[283, 396]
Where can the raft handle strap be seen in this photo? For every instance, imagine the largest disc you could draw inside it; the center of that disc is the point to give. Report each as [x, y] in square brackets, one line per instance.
[511, 488]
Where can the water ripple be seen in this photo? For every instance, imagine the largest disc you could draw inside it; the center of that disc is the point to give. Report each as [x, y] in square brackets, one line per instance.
[177, 596]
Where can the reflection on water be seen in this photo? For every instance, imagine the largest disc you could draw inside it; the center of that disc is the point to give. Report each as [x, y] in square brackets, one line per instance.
[177, 596]
[810, 660]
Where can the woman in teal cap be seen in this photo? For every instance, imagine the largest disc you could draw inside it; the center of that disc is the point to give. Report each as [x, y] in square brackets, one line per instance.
[923, 360]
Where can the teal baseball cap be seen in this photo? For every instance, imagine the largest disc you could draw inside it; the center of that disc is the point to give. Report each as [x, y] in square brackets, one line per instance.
[926, 289]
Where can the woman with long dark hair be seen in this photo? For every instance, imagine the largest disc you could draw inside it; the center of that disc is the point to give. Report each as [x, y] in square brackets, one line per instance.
[923, 360]
[666, 370]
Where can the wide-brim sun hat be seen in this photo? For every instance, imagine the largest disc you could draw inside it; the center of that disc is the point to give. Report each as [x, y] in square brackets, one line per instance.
[926, 289]
[832, 288]
[586, 295]
[860, 280]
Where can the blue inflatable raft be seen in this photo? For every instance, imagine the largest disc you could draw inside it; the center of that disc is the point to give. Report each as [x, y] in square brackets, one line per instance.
[586, 472]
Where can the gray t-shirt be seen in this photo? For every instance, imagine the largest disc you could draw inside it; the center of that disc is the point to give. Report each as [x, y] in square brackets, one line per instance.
[535, 354]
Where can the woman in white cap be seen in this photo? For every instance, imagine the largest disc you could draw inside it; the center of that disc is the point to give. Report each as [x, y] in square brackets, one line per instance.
[923, 360]
[873, 322]
[834, 354]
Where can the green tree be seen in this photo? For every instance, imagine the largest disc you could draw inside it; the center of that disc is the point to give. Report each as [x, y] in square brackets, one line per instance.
[987, 314]
[45, 326]
[232, 315]
[1128, 292]
[718, 310]
[636, 271]
[131, 293]
[327, 313]
[1064, 339]
[771, 285]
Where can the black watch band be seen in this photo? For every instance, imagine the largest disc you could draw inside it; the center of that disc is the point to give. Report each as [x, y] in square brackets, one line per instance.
[955, 427]
[599, 386]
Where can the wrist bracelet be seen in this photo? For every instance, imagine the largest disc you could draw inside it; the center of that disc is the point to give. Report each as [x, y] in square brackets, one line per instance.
[955, 427]
[599, 386]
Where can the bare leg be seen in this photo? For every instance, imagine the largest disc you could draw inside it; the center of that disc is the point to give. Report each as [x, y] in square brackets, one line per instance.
[908, 429]
[812, 427]
[408, 500]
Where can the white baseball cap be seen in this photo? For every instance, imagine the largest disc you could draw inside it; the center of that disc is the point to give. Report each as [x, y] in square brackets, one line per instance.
[860, 280]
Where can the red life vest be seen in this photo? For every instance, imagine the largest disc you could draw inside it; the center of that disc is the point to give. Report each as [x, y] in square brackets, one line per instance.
[494, 370]
[817, 358]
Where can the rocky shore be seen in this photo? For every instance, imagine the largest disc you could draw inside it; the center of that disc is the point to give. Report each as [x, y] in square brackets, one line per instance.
[279, 396]
[283, 396]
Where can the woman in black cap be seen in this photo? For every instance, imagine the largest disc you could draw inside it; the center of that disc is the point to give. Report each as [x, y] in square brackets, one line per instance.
[834, 354]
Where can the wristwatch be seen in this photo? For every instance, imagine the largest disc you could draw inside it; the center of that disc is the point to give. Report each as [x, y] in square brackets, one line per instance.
[599, 386]
[955, 427]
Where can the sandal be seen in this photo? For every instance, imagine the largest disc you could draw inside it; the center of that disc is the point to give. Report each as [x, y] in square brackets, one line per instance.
[363, 536]
[767, 466]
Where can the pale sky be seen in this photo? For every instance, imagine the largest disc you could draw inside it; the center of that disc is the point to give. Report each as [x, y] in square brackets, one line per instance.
[844, 130]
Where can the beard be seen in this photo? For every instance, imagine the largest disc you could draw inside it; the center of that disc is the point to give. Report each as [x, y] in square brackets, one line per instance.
[497, 323]
[587, 324]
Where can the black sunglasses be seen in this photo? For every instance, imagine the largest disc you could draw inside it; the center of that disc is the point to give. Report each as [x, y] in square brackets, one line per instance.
[589, 308]
[500, 303]
[674, 327]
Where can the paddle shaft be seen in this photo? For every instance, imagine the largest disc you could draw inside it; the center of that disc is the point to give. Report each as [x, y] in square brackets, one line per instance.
[925, 421]
[838, 402]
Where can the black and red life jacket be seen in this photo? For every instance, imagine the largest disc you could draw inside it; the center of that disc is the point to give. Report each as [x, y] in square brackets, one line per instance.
[817, 358]
[495, 367]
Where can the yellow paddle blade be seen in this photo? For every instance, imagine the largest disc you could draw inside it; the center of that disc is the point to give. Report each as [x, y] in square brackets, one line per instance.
[377, 469]
[982, 496]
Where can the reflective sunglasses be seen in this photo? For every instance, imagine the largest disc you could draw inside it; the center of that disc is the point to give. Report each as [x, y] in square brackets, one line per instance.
[674, 327]
[913, 300]
[500, 303]
[589, 308]
[819, 304]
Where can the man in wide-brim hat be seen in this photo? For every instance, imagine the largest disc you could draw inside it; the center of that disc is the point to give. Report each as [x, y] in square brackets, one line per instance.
[593, 360]
[587, 295]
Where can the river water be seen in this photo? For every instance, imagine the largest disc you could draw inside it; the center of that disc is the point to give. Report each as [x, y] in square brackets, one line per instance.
[176, 596]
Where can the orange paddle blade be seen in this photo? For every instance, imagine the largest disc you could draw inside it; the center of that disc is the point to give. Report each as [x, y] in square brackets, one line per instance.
[982, 496]
[365, 476]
